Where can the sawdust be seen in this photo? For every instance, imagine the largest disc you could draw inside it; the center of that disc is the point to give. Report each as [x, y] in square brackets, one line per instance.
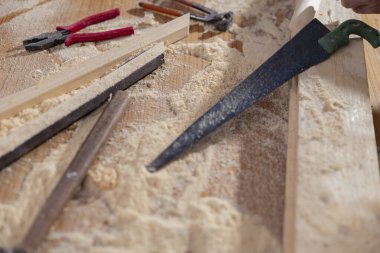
[8, 7]
[337, 164]
[73, 55]
[25, 116]
[72, 103]
[225, 195]
[15, 214]
[13, 57]
[104, 177]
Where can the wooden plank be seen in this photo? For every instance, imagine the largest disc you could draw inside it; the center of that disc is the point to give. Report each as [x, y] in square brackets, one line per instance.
[332, 171]
[71, 78]
[87, 98]
[37, 201]
[256, 188]
[75, 172]
[291, 173]
[373, 70]
[48, 124]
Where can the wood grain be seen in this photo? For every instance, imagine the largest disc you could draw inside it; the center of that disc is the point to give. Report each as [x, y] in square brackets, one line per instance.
[258, 189]
[79, 166]
[75, 172]
[46, 125]
[291, 171]
[72, 78]
[333, 178]
[373, 62]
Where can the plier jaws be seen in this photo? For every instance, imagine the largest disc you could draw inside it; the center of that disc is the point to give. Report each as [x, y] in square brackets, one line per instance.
[46, 40]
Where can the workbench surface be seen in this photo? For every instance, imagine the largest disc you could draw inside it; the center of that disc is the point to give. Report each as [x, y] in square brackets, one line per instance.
[225, 195]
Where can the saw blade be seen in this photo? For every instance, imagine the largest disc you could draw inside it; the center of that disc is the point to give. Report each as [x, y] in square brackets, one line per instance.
[297, 55]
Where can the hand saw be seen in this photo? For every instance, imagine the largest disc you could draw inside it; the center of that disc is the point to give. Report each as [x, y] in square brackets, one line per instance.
[312, 45]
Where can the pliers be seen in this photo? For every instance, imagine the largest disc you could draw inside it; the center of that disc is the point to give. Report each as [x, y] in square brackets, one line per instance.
[67, 34]
[221, 21]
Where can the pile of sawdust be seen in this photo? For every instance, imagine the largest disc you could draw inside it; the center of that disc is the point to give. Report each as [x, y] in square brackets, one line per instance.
[225, 195]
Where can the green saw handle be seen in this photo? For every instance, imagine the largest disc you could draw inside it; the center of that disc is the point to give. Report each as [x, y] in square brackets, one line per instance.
[339, 37]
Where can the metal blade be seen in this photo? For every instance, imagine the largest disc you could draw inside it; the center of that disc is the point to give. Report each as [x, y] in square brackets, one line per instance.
[297, 55]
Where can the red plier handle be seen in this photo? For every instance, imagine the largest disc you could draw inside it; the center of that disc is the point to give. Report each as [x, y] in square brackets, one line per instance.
[90, 20]
[100, 36]
[68, 35]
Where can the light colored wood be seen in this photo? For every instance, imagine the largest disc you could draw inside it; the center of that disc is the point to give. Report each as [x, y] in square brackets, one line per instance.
[332, 192]
[71, 78]
[52, 116]
[79, 104]
[12, 179]
[372, 57]
[304, 10]
[291, 172]
[259, 189]
[75, 172]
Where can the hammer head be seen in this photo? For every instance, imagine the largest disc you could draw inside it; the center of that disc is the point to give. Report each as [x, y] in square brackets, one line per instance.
[222, 21]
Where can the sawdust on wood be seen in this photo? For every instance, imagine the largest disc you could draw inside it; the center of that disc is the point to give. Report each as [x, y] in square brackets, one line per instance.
[224, 195]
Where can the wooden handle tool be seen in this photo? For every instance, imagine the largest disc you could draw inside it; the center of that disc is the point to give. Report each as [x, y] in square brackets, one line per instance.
[74, 174]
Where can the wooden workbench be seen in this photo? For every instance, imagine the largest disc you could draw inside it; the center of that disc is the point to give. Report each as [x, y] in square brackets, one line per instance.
[225, 195]
[249, 187]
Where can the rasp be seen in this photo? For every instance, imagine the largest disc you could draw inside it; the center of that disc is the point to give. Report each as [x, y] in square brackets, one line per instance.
[312, 45]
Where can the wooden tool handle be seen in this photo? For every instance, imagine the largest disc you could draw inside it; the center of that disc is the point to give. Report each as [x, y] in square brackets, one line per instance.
[75, 173]
[157, 8]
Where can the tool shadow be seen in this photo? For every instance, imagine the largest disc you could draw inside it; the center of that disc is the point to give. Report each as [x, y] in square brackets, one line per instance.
[258, 187]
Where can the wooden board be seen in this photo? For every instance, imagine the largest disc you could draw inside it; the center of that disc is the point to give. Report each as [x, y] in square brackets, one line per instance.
[332, 170]
[252, 188]
[46, 125]
[72, 78]
[373, 71]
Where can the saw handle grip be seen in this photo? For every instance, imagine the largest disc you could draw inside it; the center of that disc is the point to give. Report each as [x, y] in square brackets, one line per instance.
[339, 37]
